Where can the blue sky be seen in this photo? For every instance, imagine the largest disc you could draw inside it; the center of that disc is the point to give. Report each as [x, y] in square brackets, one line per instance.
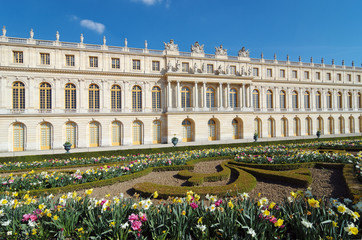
[308, 28]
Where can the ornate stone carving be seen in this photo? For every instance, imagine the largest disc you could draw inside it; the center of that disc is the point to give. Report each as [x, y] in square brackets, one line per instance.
[104, 40]
[31, 33]
[81, 38]
[195, 68]
[171, 46]
[4, 31]
[250, 70]
[125, 42]
[57, 36]
[243, 53]
[219, 70]
[178, 66]
[169, 66]
[203, 68]
[220, 51]
[197, 48]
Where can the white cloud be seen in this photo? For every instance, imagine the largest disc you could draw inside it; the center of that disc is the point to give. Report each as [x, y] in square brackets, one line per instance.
[148, 2]
[92, 25]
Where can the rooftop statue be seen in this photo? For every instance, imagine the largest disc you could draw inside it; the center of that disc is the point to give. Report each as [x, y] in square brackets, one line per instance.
[243, 53]
[171, 46]
[197, 48]
[220, 50]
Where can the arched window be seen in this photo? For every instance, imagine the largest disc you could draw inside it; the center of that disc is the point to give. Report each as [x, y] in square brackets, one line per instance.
[137, 99]
[308, 126]
[185, 97]
[70, 96]
[351, 124]
[296, 126]
[45, 136]
[306, 100]
[339, 100]
[94, 134]
[271, 127]
[295, 102]
[93, 93]
[212, 130]
[156, 98]
[71, 133]
[318, 100]
[330, 125]
[359, 100]
[257, 127]
[360, 124]
[350, 101]
[18, 137]
[116, 98]
[210, 97]
[18, 96]
[284, 128]
[137, 132]
[329, 100]
[236, 125]
[116, 133]
[320, 126]
[283, 104]
[256, 99]
[269, 99]
[45, 100]
[233, 98]
[341, 124]
[156, 131]
[187, 131]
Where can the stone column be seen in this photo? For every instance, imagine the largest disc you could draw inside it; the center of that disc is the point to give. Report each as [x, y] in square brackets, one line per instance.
[178, 99]
[227, 98]
[204, 95]
[289, 100]
[301, 99]
[276, 99]
[249, 96]
[220, 96]
[123, 97]
[169, 95]
[242, 96]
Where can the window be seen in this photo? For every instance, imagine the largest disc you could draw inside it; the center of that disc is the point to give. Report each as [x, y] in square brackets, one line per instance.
[236, 129]
[156, 131]
[318, 100]
[256, 72]
[306, 75]
[284, 127]
[155, 66]
[329, 76]
[339, 77]
[185, 97]
[269, 99]
[283, 100]
[210, 97]
[136, 64]
[44, 58]
[185, 67]
[269, 72]
[45, 96]
[296, 122]
[116, 133]
[212, 129]
[70, 96]
[350, 102]
[257, 127]
[71, 133]
[320, 126]
[318, 75]
[349, 77]
[69, 60]
[115, 63]
[358, 78]
[256, 98]
[294, 74]
[282, 73]
[156, 98]
[18, 96]
[359, 100]
[295, 102]
[339, 100]
[308, 126]
[137, 132]
[233, 70]
[329, 100]
[233, 98]
[93, 93]
[210, 68]
[94, 134]
[93, 62]
[18, 137]
[137, 99]
[306, 100]
[116, 98]
[186, 131]
[45, 136]
[18, 57]
[271, 127]
[351, 124]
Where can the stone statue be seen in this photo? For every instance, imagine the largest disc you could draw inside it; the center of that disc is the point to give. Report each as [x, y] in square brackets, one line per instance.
[219, 70]
[242, 72]
[169, 66]
[178, 66]
[146, 44]
[31, 33]
[4, 31]
[197, 48]
[249, 71]
[57, 36]
[171, 46]
[81, 38]
[220, 51]
[104, 40]
[203, 68]
[125, 42]
[243, 53]
[228, 70]
[195, 68]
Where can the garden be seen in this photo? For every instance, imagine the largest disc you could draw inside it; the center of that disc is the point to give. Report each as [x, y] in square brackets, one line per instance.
[294, 190]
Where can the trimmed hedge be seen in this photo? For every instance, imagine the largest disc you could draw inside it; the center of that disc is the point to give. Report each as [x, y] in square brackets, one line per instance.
[353, 185]
[274, 167]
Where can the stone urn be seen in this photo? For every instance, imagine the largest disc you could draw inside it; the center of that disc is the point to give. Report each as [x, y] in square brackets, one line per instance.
[67, 146]
[318, 134]
[255, 137]
[174, 141]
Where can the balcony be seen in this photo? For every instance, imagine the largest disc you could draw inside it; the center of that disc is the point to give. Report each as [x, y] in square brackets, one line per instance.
[296, 109]
[17, 111]
[283, 109]
[45, 110]
[116, 110]
[257, 109]
[137, 110]
[157, 110]
[307, 109]
[270, 109]
[93, 110]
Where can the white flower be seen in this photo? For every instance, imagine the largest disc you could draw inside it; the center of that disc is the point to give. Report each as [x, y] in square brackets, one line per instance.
[9, 233]
[351, 229]
[201, 227]
[290, 199]
[2, 213]
[125, 225]
[251, 232]
[306, 223]
[7, 223]
[245, 196]
[32, 224]
[212, 208]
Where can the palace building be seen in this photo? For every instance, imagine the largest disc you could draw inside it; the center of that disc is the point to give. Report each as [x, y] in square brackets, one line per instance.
[100, 96]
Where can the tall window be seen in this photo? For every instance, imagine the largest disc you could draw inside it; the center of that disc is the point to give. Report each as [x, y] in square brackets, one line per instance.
[330, 125]
[18, 96]
[236, 129]
[308, 126]
[116, 98]
[329, 100]
[186, 130]
[295, 102]
[306, 100]
[329, 76]
[94, 134]
[70, 96]
[116, 133]
[306, 75]
[269, 99]
[185, 67]
[93, 62]
[341, 125]
[45, 136]
[69, 60]
[137, 99]
[269, 72]
[256, 72]
[296, 126]
[339, 100]
[359, 100]
[271, 127]
[18, 57]
[210, 97]
[156, 98]
[282, 73]
[318, 75]
[233, 70]
[257, 127]
[185, 97]
[93, 93]
[18, 137]
[137, 132]
[318, 100]
[45, 58]
[284, 128]
[350, 100]
[115, 63]
[233, 98]
[256, 99]
[212, 130]
[155, 65]
[339, 77]
[156, 131]
[320, 126]
[45, 96]
[351, 124]
[210, 68]
[283, 104]
[294, 74]
[71, 133]
[136, 64]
